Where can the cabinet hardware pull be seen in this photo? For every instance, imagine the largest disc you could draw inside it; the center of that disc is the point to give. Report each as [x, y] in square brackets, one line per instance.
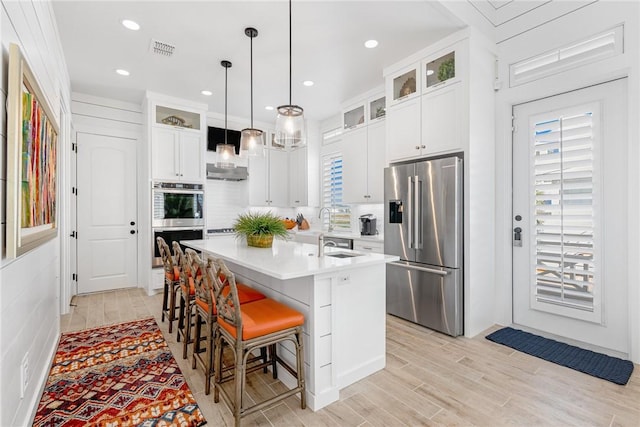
[424, 146]
[417, 147]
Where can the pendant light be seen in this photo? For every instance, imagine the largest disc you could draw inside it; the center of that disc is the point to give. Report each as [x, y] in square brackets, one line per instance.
[225, 152]
[251, 139]
[290, 121]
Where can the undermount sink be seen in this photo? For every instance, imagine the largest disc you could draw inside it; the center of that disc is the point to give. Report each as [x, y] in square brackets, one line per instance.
[342, 255]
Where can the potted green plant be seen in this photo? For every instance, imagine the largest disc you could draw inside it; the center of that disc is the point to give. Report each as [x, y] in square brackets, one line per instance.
[259, 228]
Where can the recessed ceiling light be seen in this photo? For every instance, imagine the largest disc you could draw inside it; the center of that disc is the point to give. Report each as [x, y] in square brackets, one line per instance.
[132, 25]
[430, 72]
[307, 83]
[122, 72]
[370, 44]
[268, 108]
[206, 92]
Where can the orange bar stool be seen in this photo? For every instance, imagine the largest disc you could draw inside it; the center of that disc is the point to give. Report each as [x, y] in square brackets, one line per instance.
[245, 328]
[171, 282]
[187, 296]
[205, 314]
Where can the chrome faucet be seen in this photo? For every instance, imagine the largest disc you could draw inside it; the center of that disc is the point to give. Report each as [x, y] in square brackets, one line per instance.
[322, 244]
[330, 222]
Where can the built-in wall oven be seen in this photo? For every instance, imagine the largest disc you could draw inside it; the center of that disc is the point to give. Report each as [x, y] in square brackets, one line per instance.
[177, 214]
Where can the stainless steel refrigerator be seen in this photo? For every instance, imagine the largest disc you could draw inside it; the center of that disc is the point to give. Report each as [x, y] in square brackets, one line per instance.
[423, 225]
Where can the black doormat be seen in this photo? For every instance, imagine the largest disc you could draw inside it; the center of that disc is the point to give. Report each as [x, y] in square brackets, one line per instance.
[596, 364]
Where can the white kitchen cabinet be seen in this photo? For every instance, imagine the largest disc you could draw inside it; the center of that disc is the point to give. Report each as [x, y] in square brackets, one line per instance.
[403, 85]
[259, 180]
[176, 154]
[363, 164]
[354, 116]
[403, 134]
[298, 179]
[165, 154]
[441, 115]
[432, 122]
[278, 178]
[268, 179]
[354, 167]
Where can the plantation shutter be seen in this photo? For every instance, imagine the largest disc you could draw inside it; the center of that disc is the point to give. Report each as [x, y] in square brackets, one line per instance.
[332, 193]
[564, 178]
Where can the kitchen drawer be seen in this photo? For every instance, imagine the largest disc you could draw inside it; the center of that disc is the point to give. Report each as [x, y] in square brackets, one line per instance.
[366, 246]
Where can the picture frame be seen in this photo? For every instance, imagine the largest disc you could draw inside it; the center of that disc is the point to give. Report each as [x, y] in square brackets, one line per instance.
[32, 145]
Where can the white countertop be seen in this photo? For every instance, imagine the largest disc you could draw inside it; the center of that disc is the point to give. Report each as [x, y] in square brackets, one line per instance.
[286, 259]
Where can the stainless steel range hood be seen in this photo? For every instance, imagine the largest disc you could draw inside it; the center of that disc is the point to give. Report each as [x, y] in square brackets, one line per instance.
[227, 174]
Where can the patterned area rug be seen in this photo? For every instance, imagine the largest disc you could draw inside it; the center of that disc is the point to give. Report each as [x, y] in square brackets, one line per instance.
[118, 375]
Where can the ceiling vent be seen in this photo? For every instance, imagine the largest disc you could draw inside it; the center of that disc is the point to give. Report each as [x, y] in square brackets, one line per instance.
[161, 48]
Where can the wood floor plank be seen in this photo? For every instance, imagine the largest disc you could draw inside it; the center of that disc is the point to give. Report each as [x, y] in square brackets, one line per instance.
[430, 379]
[395, 390]
[373, 413]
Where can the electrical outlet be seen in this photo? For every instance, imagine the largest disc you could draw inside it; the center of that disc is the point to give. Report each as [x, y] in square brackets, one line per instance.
[24, 374]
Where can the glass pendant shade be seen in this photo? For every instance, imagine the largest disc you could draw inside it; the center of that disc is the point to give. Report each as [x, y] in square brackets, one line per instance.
[251, 143]
[290, 120]
[290, 126]
[225, 154]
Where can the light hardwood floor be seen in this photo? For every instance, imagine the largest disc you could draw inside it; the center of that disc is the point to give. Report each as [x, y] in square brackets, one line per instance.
[430, 379]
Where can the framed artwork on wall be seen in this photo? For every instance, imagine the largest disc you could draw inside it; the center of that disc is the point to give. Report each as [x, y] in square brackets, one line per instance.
[32, 138]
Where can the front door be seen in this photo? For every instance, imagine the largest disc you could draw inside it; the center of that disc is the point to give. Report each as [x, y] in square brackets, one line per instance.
[106, 200]
[570, 215]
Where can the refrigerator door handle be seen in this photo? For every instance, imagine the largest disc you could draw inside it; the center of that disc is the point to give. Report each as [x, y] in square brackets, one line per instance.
[425, 269]
[410, 210]
[417, 226]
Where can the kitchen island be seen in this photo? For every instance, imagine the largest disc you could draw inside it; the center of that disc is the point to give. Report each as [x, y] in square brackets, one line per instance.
[342, 299]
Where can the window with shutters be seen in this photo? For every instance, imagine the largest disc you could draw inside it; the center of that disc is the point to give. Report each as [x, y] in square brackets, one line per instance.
[565, 182]
[332, 193]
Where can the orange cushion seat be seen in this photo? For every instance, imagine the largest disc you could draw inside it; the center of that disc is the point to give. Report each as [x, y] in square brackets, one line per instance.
[175, 277]
[192, 287]
[263, 317]
[246, 295]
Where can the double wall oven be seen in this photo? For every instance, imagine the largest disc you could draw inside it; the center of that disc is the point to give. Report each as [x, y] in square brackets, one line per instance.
[177, 214]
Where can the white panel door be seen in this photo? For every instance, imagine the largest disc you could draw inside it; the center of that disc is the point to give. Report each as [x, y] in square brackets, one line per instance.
[570, 216]
[107, 224]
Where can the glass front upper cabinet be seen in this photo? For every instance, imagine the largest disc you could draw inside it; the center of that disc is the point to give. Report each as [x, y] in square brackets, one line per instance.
[177, 118]
[405, 84]
[441, 69]
[377, 108]
[353, 117]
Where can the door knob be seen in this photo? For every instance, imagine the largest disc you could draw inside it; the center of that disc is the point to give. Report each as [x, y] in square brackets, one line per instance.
[132, 223]
[132, 232]
[517, 236]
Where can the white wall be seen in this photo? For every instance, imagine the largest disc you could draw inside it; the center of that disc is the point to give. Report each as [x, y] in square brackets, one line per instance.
[529, 39]
[30, 285]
